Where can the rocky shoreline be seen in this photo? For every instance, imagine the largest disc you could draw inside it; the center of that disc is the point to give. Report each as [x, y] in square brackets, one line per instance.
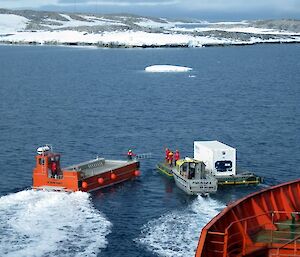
[26, 27]
[112, 45]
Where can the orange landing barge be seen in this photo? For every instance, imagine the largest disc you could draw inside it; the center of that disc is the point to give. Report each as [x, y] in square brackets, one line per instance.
[86, 176]
[265, 223]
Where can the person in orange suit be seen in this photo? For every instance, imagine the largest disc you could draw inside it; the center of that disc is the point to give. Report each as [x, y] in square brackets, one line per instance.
[170, 159]
[177, 156]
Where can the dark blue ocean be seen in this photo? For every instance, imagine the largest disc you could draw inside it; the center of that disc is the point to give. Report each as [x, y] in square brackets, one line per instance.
[88, 102]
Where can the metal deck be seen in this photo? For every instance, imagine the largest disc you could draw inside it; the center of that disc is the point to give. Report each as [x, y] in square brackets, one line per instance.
[97, 166]
[165, 169]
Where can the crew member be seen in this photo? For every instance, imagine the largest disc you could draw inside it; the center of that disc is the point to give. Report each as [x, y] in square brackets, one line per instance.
[130, 155]
[54, 169]
[170, 158]
[167, 155]
[177, 156]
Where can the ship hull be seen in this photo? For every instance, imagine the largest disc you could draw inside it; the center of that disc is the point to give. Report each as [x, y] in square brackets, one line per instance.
[122, 174]
[86, 176]
[183, 185]
[195, 186]
[165, 169]
[265, 223]
[239, 179]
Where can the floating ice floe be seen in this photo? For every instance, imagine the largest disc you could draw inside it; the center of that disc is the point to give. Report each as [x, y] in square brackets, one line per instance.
[167, 68]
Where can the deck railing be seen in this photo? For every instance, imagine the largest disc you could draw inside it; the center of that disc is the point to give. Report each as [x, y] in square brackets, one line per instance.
[280, 251]
[242, 235]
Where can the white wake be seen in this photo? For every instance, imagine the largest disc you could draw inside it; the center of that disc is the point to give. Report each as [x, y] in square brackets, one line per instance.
[177, 233]
[37, 223]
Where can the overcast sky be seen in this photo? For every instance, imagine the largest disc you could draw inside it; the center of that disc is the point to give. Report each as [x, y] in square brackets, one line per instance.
[201, 9]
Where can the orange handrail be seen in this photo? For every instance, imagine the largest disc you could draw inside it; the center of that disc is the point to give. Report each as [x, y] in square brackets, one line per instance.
[288, 243]
[244, 234]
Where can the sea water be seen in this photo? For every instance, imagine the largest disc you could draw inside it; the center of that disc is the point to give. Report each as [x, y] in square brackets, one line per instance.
[100, 102]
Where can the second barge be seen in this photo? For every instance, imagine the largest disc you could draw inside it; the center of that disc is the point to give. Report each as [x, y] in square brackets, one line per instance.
[220, 162]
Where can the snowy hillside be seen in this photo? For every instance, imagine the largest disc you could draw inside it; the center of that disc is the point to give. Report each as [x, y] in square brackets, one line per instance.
[33, 27]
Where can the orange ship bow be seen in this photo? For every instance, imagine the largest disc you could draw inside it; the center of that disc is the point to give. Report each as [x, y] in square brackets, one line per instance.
[265, 223]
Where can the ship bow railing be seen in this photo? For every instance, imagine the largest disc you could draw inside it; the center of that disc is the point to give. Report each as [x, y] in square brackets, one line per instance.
[263, 230]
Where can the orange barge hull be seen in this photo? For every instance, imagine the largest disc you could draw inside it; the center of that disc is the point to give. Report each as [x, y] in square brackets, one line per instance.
[87, 176]
[265, 223]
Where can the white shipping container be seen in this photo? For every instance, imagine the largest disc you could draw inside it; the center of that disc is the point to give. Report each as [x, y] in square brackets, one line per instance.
[220, 159]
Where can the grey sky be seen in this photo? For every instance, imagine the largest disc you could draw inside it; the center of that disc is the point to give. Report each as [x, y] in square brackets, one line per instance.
[206, 9]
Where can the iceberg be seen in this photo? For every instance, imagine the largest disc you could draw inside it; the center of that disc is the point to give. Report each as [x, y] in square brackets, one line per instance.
[167, 68]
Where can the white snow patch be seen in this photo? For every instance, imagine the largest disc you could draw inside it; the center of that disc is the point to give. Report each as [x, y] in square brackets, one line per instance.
[90, 21]
[167, 68]
[153, 24]
[37, 223]
[254, 30]
[89, 17]
[250, 30]
[10, 23]
[176, 234]
[228, 23]
[128, 38]
[65, 16]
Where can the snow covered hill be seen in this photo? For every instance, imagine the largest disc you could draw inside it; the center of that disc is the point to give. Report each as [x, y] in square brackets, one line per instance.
[39, 27]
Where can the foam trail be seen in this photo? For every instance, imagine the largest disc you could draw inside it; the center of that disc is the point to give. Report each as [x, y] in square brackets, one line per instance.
[176, 234]
[40, 224]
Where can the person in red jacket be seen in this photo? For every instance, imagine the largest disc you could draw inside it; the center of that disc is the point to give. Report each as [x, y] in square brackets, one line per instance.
[177, 156]
[54, 169]
[167, 155]
[130, 155]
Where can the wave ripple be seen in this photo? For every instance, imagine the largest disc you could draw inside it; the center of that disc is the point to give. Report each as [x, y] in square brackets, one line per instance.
[176, 234]
[37, 223]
